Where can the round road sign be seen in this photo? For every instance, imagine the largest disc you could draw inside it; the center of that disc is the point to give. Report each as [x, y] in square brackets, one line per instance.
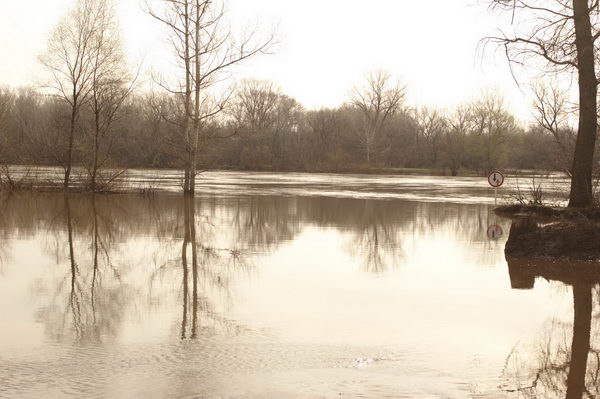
[495, 178]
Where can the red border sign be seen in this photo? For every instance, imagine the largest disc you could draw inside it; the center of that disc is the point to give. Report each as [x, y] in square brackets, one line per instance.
[495, 178]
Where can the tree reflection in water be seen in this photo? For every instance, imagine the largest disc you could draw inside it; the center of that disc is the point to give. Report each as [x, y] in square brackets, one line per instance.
[4, 208]
[381, 231]
[263, 223]
[119, 256]
[376, 240]
[566, 360]
[377, 231]
[91, 293]
[207, 267]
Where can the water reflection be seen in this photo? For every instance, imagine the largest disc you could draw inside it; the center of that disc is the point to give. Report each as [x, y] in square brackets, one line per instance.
[106, 248]
[377, 231]
[141, 295]
[89, 296]
[563, 362]
[210, 264]
[264, 223]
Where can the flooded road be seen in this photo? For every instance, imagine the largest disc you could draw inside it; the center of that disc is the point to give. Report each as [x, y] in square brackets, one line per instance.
[283, 294]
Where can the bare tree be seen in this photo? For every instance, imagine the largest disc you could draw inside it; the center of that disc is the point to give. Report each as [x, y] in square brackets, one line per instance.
[23, 122]
[491, 125]
[455, 138]
[552, 113]
[326, 126]
[431, 125]
[205, 49]
[6, 100]
[6, 109]
[260, 109]
[285, 131]
[378, 100]
[110, 86]
[564, 35]
[254, 104]
[69, 60]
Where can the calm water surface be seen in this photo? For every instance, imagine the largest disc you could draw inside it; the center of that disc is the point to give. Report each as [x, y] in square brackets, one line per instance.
[242, 294]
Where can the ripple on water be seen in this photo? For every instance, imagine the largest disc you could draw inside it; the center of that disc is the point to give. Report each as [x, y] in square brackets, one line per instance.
[236, 369]
[97, 371]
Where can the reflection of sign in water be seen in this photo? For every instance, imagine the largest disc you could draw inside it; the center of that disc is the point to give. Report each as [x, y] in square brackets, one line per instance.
[495, 178]
[494, 232]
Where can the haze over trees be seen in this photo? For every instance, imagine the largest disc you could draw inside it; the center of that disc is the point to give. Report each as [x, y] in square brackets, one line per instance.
[268, 130]
[202, 118]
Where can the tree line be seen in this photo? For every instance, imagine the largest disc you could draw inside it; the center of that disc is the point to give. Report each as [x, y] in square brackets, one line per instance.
[265, 129]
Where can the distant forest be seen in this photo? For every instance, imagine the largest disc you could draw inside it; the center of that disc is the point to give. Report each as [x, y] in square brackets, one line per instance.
[264, 129]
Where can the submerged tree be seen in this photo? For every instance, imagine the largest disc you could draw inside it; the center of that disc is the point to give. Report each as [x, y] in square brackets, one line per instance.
[205, 49]
[109, 86]
[68, 58]
[563, 34]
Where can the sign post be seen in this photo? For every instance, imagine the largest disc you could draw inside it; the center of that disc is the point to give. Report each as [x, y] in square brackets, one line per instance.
[495, 179]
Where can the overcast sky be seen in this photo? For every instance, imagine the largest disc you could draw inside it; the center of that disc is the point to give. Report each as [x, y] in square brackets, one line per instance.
[326, 46]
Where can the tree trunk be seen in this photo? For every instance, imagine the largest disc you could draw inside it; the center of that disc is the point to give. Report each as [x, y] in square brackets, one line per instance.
[197, 88]
[188, 98]
[95, 165]
[192, 184]
[368, 148]
[186, 179]
[70, 148]
[581, 179]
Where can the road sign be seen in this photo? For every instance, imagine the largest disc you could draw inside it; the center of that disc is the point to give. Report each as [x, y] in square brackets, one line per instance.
[495, 178]
[494, 232]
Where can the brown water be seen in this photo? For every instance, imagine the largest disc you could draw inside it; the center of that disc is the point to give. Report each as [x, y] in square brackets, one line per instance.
[239, 295]
[555, 187]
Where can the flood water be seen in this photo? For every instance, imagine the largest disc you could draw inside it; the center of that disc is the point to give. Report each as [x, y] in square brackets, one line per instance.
[282, 294]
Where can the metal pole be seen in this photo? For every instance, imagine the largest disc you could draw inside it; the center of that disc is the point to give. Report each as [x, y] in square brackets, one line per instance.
[495, 195]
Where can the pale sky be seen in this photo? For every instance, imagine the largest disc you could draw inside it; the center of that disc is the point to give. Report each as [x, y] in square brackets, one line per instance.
[326, 46]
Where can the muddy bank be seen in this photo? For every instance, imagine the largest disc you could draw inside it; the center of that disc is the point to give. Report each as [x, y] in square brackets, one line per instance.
[552, 232]
[575, 239]
[547, 213]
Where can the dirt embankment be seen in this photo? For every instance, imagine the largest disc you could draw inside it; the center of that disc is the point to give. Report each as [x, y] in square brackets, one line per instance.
[558, 233]
[547, 213]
